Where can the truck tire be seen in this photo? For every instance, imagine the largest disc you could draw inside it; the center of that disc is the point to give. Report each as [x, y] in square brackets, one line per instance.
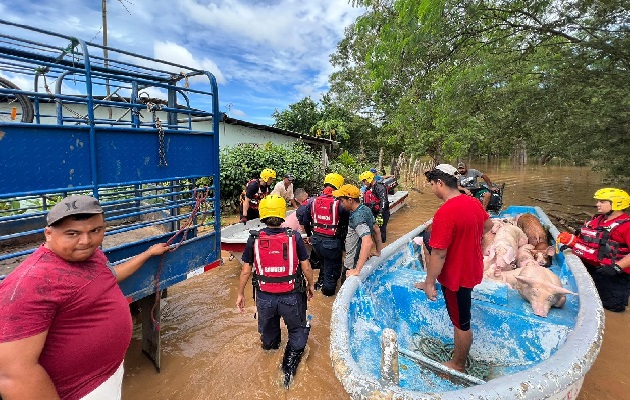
[25, 105]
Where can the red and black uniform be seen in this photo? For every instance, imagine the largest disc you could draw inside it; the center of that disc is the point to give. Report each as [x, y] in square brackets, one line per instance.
[328, 223]
[255, 192]
[602, 243]
[275, 255]
[596, 243]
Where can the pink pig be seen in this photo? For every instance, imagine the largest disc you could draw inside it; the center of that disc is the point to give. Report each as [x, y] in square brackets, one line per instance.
[541, 287]
[525, 254]
[506, 243]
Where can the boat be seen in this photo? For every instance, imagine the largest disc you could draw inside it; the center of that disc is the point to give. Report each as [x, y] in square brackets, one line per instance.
[397, 200]
[234, 237]
[380, 324]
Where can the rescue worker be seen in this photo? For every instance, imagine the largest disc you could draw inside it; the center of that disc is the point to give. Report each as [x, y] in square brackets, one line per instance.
[326, 227]
[375, 197]
[254, 192]
[603, 245]
[279, 260]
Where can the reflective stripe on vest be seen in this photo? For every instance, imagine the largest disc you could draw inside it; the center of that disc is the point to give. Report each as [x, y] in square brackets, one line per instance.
[595, 246]
[325, 213]
[276, 262]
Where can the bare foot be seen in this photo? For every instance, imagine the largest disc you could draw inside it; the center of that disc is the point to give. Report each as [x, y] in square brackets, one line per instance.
[450, 364]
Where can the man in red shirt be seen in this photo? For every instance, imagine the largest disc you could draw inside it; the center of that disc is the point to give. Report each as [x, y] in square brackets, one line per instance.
[456, 260]
[64, 323]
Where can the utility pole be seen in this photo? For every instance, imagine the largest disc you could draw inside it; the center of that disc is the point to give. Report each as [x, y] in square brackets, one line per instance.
[106, 53]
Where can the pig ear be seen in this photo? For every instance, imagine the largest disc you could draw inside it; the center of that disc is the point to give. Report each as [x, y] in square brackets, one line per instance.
[550, 251]
[557, 289]
[491, 253]
[509, 255]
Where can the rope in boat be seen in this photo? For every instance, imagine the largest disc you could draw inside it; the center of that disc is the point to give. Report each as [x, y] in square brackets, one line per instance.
[438, 351]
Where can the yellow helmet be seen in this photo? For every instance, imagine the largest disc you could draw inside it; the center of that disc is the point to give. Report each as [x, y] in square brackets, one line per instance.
[267, 173]
[366, 176]
[273, 206]
[619, 199]
[334, 179]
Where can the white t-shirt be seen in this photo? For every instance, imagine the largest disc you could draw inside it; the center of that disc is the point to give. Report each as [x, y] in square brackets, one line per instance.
[282, 191]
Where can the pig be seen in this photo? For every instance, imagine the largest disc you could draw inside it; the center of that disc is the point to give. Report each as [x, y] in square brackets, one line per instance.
[541, 287]
[536, 236]
[524, 255]
[493, 273]
[486, 240]
[488, 237]
[506, 242]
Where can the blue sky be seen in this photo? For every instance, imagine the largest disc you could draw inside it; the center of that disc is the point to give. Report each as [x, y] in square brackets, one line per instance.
[264, 54]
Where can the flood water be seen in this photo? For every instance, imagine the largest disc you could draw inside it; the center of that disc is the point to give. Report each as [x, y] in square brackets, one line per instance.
[211, 351]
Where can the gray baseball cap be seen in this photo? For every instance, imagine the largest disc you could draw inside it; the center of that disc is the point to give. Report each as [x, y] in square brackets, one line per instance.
[73, 205]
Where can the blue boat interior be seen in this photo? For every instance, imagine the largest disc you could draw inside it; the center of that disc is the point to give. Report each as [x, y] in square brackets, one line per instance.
[508, 337]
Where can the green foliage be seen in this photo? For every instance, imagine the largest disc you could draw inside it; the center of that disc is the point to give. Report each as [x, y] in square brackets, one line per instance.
[300, 117]
[454, 77]
[240, 164]
[10, 207]
[349, 167]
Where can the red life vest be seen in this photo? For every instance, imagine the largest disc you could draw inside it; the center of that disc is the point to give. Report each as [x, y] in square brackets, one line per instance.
[370, 200]
[276, 262]
[594, 244]
[325, 213]
[253, 203]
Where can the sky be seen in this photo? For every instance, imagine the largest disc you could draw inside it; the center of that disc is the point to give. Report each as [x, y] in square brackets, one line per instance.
[265, 55]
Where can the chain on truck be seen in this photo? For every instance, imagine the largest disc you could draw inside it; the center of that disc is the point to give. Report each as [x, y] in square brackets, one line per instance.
[139, 134]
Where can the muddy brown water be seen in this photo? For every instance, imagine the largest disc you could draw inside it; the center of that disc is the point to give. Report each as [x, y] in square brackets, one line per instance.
[211, 351]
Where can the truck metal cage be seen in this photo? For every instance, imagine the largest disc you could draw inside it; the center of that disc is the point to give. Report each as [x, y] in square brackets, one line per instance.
[121, 127]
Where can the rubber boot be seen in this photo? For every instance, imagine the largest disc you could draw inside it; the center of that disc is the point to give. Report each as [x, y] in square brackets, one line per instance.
[290, 363]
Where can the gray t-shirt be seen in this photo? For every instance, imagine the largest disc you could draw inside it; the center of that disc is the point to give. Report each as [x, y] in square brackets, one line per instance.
[361, 224]
[469, 179]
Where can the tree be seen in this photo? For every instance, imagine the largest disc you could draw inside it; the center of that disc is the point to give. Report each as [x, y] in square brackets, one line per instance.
[450, 78]
[300, 117]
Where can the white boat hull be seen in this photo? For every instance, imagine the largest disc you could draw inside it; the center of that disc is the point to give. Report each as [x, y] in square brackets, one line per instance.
[535, 357]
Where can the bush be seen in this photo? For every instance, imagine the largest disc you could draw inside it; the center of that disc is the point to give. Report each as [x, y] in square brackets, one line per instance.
[242, 163]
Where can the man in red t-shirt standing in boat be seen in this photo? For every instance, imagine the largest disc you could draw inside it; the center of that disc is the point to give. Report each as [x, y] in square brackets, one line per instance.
[456, 260]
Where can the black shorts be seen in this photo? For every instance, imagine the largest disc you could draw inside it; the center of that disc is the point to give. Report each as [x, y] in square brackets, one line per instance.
[458, 305]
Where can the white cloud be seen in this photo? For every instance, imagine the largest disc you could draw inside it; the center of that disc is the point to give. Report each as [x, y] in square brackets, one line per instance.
[264, 54]
[175, 53]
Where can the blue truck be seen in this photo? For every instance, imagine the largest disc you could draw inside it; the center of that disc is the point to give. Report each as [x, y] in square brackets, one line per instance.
[139, 134]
